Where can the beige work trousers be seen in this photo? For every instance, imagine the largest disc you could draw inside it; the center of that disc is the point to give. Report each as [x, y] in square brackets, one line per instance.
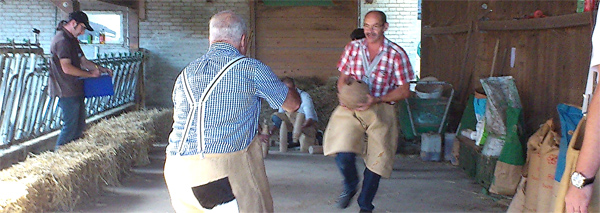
[245, 170]
[346, 131]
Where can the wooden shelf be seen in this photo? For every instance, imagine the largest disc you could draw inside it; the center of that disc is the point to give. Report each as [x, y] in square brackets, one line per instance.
[551, 22]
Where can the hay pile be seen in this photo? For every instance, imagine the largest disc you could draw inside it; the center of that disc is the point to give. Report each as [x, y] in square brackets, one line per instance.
[323, 94]
[58, 181]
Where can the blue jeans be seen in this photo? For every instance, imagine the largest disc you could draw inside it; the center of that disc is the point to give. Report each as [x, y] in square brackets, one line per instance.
[346, 163]
[73, 118]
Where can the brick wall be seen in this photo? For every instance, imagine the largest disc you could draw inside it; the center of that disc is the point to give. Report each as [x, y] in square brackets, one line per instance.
[175, 32]
[19, 17]
[405, 28]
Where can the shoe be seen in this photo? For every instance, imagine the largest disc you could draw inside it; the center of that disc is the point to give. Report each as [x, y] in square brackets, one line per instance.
[292, 145]
[365, 211]
[344, 199]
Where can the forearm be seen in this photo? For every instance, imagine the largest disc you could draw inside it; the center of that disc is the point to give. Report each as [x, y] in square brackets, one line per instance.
[401, 92]
[342, 81]
[74, 71]
[588, 161]
[89, 65]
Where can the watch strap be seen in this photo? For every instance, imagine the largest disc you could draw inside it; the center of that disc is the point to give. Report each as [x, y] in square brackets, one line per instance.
[588, 181]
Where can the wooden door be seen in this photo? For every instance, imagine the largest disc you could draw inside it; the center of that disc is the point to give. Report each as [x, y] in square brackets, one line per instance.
[304, 41]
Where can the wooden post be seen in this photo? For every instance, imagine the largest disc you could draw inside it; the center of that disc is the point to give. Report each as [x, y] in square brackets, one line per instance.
[133, 30]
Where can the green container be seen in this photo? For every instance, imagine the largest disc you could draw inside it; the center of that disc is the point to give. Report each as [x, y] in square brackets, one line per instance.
[484, 173]
[427, 115]
[468, 155]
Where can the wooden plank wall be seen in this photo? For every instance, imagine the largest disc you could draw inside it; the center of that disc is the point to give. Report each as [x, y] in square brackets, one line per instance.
[552, 54]
[304, 40]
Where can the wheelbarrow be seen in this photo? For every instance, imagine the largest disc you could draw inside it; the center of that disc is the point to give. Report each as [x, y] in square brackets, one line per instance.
[427, 112]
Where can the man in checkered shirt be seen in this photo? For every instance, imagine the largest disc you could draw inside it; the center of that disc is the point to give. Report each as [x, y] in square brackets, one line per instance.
[214, 158]
[385, 67]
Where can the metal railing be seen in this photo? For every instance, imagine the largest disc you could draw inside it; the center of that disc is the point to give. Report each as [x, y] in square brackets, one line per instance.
[26, 109]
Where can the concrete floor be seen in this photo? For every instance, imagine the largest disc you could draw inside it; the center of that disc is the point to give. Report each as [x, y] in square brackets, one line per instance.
[311, 183]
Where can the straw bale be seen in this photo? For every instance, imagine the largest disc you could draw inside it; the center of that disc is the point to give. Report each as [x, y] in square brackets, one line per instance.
[58, 181]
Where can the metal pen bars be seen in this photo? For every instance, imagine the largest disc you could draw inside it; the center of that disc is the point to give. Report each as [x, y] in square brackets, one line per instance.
[26, 109]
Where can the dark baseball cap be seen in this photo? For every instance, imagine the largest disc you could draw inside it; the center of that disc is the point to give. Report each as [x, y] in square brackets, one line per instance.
[81, 17]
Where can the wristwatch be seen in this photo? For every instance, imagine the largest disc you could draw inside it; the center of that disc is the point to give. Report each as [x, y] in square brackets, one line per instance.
[579, 181]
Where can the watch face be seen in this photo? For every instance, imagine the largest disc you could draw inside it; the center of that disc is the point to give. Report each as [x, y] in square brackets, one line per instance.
[577, 179]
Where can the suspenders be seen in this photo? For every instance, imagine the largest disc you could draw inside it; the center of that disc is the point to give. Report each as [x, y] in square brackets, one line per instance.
[369, 67]
[196, 105]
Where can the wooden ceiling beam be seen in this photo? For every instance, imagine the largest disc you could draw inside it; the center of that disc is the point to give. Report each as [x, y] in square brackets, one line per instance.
[135, 5]
[67, 6]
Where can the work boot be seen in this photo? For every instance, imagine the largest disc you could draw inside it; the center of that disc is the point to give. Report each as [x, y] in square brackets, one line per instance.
[344, 199]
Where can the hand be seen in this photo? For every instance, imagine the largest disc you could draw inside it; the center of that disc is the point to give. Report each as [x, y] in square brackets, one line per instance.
[264, 138]
[94, 73]
[577, 200]
[370, 101]
[106, 70]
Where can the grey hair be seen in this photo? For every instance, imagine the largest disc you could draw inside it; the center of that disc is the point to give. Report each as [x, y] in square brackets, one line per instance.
[226, 26]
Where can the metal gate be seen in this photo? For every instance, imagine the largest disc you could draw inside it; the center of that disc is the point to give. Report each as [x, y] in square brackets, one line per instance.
[26, 109]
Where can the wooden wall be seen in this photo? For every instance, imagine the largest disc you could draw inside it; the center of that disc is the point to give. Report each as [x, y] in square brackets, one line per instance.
[461, 41]
[304, 40]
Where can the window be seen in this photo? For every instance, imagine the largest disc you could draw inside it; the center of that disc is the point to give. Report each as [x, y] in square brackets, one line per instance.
[108, 22]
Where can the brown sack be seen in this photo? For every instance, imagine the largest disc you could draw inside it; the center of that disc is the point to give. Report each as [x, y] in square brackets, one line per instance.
[353, 93]
[549, 153]
[571, 162]
[506, 176]
[533, 166]
[518, 202]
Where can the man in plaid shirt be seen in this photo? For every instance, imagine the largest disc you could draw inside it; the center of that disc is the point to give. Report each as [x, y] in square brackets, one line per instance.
[385, 67]
[214, 158]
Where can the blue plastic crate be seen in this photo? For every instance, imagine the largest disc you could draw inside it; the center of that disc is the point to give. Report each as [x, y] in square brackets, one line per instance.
[96, 87]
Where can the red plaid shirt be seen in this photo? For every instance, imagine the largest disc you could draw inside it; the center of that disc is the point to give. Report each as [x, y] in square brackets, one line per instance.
[393, 69]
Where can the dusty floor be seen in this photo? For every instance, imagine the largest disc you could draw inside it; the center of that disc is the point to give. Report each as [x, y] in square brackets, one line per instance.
[311, 183]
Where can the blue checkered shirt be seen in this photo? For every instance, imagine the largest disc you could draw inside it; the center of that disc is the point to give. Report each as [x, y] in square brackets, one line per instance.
[231, 112]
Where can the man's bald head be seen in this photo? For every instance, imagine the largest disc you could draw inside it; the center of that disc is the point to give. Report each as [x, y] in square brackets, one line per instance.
[226, 26]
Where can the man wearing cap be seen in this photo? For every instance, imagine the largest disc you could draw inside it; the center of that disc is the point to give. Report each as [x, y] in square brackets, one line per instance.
[67, 66]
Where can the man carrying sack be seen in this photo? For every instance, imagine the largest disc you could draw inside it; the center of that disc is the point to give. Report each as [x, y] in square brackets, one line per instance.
[385, 67]
[214, 162]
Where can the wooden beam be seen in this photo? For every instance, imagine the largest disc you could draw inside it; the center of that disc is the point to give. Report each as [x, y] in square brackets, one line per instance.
[141, 8]
[252, 33]
[427, 31]
[551, 22]
[133, 30]
[67, 6]
[136, 5]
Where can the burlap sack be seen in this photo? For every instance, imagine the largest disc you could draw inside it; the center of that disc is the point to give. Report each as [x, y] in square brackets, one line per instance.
[505, 177]
[571, 161]
[346, 129]
[518, 202]
[541, 161]
[533, 166]
[245, 170]
[509, 167]
[549, 152]
[353, 93]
